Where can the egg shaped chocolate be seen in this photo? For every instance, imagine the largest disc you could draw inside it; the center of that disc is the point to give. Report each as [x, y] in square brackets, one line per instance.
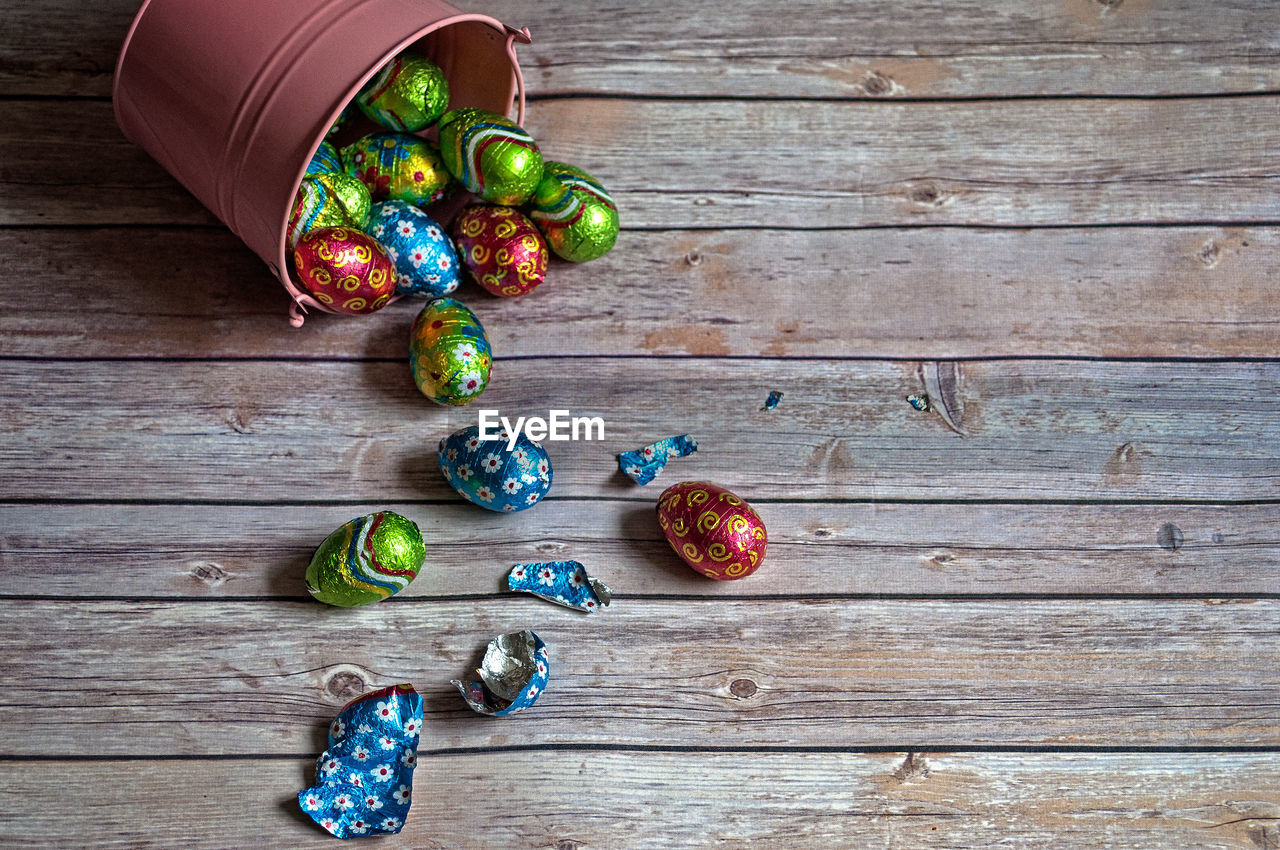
[325, 160]
[425, 259]
[407, 94]
[575, 213]
[501, 250]
[712, 530]
[492, 156]
[366, 560]
[328, 199]
[487, 473]
[449, 353]
[346, 270]
[398, 166]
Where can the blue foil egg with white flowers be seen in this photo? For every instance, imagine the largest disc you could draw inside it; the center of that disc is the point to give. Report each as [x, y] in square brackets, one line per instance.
[492, 475]
[425, 259]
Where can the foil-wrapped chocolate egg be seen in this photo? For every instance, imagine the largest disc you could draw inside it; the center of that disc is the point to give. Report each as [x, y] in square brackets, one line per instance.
[449, 353]
[340, 122]
[501, 250]
[346, 270]
[328, 199]
[408, 94]
[574, 212]
[325, 160]
[511, 677]
[495, 473]
[366, 560]
[492, 156]
[397, 166]
[425, 259]
[712, 530]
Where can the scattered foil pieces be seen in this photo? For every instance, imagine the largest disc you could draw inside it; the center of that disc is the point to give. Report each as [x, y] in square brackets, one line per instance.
[643, 465]
[920, 402]
[772, 401]
[562, 582]
[364, 778]
[512, 676]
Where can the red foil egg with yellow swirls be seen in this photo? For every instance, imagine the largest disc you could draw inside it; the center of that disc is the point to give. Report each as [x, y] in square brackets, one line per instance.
[501, 250]
[345, 270]
[712, 530]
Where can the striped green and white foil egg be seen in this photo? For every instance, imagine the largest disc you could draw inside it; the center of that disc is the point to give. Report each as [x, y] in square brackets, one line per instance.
[366, 560]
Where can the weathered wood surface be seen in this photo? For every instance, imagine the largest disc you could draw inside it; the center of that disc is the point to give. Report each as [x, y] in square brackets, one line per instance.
[579, 800]
[815, 549]
[324, 431]
[780, 164]
[915, 48]
[1184, 291]
[248, 678]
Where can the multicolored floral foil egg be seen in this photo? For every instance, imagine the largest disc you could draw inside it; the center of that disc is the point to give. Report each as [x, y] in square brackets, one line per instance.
[366, 560]
[492, 156]
[449, 353]
[501, 250]
[328, 199]
[325, 160]
[398, 166]
[712, 530]
[346, 270]
[574, 212]
[408, 94]
[495, 473]
[424, 256]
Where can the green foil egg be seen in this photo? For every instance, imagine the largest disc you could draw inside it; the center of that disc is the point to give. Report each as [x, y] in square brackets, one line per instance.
[490, 155]
[366, 560]
[408, 94]
[449, 353]
[328, 200]
[397, 166]
[574, 212]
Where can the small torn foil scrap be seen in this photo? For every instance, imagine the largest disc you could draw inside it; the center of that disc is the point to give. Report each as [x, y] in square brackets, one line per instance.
[772, 401]
[513, 675]
[562, 582]
[643, 465]
[364, 778]
[920, 402]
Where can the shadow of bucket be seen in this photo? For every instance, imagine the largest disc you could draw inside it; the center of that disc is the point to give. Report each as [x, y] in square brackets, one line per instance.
[232, 97]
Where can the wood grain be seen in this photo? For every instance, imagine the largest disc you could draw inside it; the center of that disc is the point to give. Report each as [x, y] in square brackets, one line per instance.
[1183, 291]
[217, 551]
[578, 800]
[323, 431]
[266, 678]
[917, 48]
[779, 164]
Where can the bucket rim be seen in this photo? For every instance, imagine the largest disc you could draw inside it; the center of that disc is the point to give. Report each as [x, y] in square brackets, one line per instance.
[124, 49]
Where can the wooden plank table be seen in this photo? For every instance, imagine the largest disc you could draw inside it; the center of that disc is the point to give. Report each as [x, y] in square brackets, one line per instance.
[1043, 613]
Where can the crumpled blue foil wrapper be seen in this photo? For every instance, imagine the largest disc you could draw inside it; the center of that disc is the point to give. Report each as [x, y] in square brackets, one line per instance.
[772, 401]
[643, 465]
[562, 582]
[513, 675]
[365, 777]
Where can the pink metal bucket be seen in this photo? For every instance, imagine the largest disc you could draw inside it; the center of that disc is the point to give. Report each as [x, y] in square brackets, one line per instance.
[233, 97]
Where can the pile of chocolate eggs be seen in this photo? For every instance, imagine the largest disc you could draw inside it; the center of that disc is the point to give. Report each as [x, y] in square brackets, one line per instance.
[362, 230]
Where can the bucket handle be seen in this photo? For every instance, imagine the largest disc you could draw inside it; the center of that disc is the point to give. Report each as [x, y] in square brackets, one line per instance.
[297, 305]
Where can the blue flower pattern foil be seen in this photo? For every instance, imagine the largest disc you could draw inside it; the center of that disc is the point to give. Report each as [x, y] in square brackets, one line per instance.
[772, 401]
[425, 259]
[512, 676]
[364, 779]
[643, 465]
[324, 161]
[562, 582]
[486, 473]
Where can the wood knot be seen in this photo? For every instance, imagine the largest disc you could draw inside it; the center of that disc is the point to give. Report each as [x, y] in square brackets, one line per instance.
[928, 194]
[1219, 537]
[209, 573]
[1169, 537]
[345, 685]
[693, 258]
[912, 769]
[743, 688]
[876, 83]
[823, 532]
[567, 844]
[550, 547]
[240, 422]
[1109, 5]
[1208, 255]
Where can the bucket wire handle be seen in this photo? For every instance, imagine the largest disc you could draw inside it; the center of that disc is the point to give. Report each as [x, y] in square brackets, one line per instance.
[520, 36]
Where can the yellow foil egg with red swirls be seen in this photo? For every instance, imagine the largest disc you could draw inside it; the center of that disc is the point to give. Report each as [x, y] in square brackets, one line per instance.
[712, 530]
[501, 249]
[345, 270]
